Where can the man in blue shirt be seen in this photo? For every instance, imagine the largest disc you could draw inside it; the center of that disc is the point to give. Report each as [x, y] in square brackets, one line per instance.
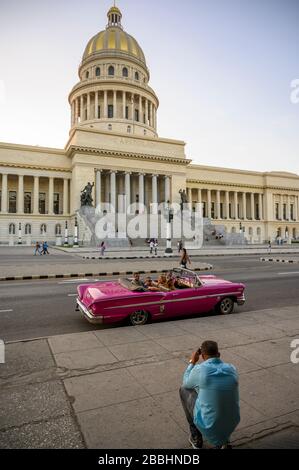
[210, 397]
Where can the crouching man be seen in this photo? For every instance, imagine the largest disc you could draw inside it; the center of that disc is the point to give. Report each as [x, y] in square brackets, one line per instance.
[210, 397]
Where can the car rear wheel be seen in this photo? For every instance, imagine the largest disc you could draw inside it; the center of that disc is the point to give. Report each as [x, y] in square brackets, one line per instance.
[140, 317]
[226, 306]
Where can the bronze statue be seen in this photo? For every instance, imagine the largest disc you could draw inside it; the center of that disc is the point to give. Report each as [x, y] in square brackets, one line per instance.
[184, 197]
[86, 197]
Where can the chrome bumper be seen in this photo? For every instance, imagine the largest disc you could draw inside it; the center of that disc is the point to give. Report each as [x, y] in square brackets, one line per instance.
[87, 314]
[241, 300]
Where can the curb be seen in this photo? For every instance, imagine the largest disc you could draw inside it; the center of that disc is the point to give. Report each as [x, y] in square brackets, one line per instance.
[73, 276]
[279, 260]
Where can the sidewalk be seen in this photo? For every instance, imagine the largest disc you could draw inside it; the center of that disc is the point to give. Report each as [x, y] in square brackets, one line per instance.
[118, 387]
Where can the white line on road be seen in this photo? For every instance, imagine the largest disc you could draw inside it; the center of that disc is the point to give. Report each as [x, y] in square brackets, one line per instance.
[72, 295]
[288, 273]
[74, 281]
[8, 310]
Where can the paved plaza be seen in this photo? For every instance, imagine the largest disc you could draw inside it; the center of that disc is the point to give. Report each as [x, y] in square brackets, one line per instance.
[112, 388]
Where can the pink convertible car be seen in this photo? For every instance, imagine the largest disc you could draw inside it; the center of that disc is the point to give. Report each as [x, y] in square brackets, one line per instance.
[114, 301]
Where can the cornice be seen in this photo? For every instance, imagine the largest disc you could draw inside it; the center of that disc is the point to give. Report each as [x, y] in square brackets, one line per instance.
[31, 148]
[251, 186]
[127, 155]
[35, 167]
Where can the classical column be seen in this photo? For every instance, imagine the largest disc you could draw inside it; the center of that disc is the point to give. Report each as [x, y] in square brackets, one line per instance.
[72, 113]
[96, 105]
[227, 205]
[65, 196]
[76, 110]
[141, 192]
[36, 195]
[124, 105]
[128, 191]
[260, 206]
[20, 208]
[98, 188]
[114, 105]
[113, 191]
[51, 196]
[132, 107]
[252, 206]
[167, 188]
[199, 200]
[88, 106]
[105, 104]
[288, 208]
[146, 112]
[236, 205]
[209, 205]
[4, 193]
[244, 206]
[155, 118]
[155, 194]
[81, 108]
[140, 108]
[218, 215]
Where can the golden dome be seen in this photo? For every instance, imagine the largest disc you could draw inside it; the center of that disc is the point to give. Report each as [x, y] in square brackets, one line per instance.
[113, 40]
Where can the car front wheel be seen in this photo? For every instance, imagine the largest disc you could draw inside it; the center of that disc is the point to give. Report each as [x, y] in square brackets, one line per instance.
[226, 306]
[140, 317]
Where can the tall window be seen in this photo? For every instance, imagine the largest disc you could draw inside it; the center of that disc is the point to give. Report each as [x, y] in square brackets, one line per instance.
[136, 76]
[204, 209]
[12, 205]
[257, 211]
[27, 229]
[129, 129]
[221, 210]
[277, 211]
[110, 111]
[27, 203]
[56, 203]
[125, 72]
[98, 71]
[127, 112]
[12, 229]
[292, 212]
[42, 203]
[137, 115]
[99, 112]
[213, 210]
[284, 212]
[230, 211]
[87, 75]
[111, 70]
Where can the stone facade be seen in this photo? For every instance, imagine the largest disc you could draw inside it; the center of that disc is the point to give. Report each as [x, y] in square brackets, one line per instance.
[114, 144]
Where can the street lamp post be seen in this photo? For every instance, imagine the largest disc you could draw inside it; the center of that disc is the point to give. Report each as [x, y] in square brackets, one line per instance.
[168, 229]
[76, 233]
[66, 237]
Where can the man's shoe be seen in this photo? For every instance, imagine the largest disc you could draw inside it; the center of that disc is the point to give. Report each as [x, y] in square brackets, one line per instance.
[196, 442]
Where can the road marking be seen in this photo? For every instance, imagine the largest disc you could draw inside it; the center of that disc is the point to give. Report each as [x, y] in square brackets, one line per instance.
[72, 295]
[288, 273]
[72, 281]
[8, 310]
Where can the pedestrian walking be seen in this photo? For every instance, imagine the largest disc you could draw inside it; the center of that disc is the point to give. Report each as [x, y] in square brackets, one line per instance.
[151, 245]
[185, 259]
[45, 248]
[180, 246]
[269, 247]
[37, 249]
[102, 248]
[210, 398]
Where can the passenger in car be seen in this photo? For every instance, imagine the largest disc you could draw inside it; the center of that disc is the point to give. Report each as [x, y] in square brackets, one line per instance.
[149, 285]
[136, 281]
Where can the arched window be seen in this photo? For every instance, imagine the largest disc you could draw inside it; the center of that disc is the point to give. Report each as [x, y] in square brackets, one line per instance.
[12, 229]
[136, 76]
[125, 72]
[27, 229]
[111, 70]
[250, 231]
[129, 129]
[43, 229]
[98, 71]
[109, 127]
[57, 229]
[87, 75]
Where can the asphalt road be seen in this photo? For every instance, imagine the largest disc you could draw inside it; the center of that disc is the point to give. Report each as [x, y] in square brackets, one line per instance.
[32, 309]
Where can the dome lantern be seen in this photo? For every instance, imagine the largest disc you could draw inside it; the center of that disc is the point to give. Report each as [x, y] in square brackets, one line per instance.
[114, 17]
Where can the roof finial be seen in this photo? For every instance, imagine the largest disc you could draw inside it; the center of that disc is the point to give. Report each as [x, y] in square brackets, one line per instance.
[114, 16]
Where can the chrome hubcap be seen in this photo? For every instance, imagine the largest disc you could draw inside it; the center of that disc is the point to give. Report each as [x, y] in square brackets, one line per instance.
[226, 305]
[139, 317]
